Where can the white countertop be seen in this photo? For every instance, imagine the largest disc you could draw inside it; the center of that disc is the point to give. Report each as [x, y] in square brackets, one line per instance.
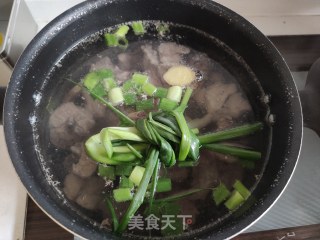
[13, 198]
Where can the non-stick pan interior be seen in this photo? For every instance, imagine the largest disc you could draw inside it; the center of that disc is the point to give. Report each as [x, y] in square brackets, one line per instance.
[40, 75]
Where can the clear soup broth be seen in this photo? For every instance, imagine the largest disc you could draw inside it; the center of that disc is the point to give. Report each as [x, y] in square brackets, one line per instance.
[220, 100]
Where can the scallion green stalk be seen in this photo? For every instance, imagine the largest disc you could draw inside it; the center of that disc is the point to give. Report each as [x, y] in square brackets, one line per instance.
[134, 151]
[141, 191]
[120, 114]
[112, 213]
[154, 182]
[233, 151]
[180, 195]
[185, 136]
[243, 130]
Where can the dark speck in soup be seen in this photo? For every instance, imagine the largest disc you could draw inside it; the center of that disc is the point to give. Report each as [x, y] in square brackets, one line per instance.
[226, 94]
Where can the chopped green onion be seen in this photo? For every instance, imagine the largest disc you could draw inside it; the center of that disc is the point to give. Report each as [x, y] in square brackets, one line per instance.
[99, 90]
[243, 130]
[138, 28]
[112, 213]
[128, 85]
[125, 119]
[130, 98]
[123, 170]
[116, 96]
[164, 185]
[233, 151]
[161, 92]
[234, 201]
[149, 89]
[139, 79]
[111, 40]
[109, 83]
[106, 171]
[125, 183]
[143, 105]
[122, 31]
[174, 93]
[122, 194]
[167, 104]
[137, 174]
[220, 194]
[245, 193]
[91, 80]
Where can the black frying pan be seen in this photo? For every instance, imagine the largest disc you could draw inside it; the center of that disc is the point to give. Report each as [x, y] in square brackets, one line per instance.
[34, 80]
